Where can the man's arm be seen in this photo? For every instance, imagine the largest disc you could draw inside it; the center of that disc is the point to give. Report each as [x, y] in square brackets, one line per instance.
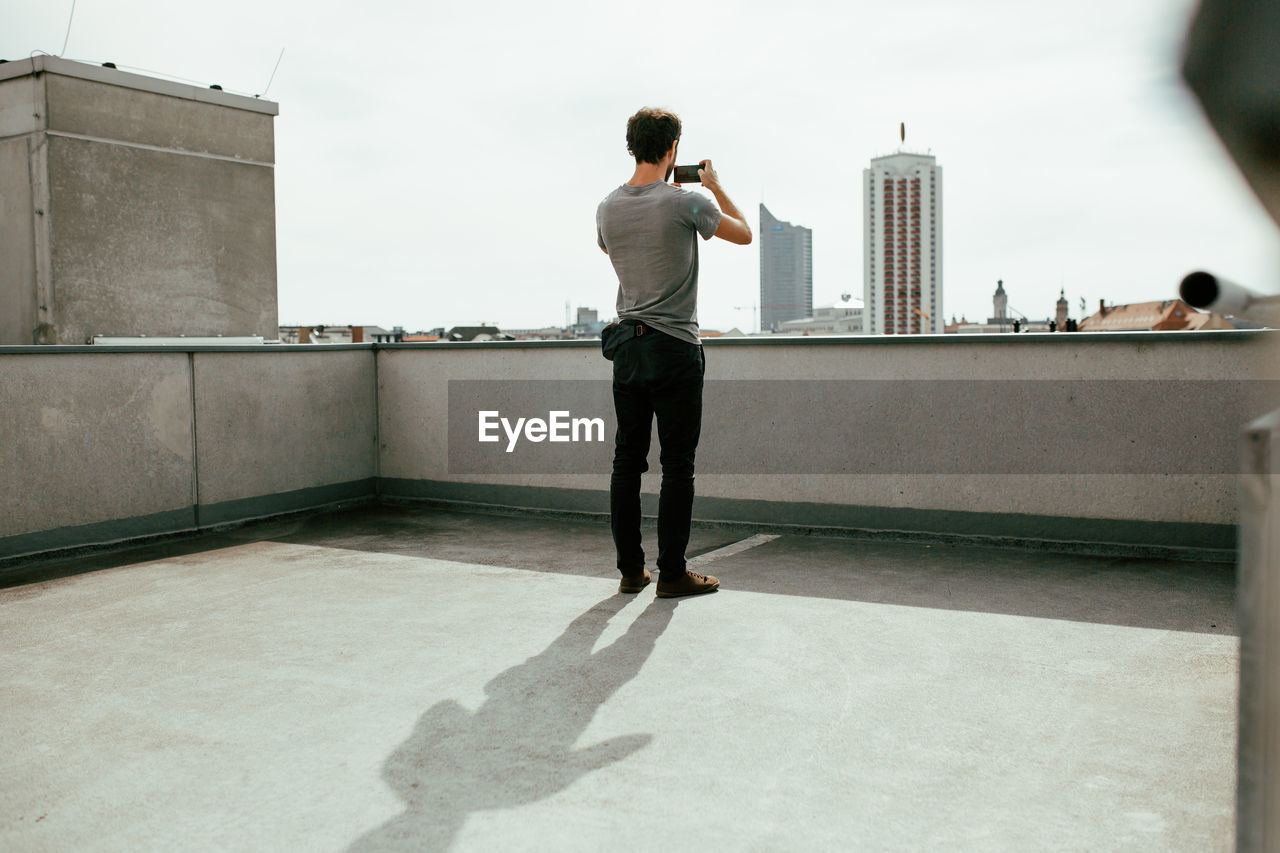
[733, 225]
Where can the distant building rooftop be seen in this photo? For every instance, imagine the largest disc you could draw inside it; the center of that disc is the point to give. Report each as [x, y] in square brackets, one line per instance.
[1165, 315]
[476, 333]
[898, 154]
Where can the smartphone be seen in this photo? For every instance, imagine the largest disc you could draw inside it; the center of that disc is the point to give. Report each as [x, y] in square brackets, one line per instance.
[687, 175]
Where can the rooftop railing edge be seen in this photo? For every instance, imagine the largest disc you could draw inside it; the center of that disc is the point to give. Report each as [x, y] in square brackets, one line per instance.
[1017, 339]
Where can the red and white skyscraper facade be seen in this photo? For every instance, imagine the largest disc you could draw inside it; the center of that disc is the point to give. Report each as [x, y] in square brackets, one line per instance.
[902, 245]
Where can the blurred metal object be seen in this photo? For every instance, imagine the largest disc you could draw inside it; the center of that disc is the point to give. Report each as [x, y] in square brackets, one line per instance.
[1209, 292]
[1233, 66]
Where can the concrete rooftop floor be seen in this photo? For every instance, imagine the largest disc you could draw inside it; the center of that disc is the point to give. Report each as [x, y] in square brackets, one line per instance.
[407, 677]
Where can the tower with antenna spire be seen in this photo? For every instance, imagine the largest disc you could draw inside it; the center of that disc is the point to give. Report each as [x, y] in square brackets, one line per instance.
[902, 243]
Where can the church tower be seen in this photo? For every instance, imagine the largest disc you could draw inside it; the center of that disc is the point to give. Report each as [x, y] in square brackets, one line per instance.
[1000, 303]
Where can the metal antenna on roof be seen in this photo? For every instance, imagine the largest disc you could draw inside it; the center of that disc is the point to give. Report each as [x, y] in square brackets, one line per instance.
[273, 73]
[71, 18]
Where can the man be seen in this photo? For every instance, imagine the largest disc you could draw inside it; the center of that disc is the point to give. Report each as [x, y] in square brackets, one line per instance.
[649, 230]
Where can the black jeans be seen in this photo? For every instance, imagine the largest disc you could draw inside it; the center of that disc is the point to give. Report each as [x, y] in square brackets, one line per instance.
[655, 374]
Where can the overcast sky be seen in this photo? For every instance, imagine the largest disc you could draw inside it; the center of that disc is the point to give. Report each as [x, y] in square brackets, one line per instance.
[439, 164]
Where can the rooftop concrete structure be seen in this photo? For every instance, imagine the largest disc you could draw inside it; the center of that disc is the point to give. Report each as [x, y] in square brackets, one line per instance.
[1072, 441]
[419, 672]
[416, 678]
[405, 675]
[132, 206]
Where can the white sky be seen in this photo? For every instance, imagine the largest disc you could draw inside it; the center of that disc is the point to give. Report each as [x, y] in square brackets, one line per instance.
[439, 164]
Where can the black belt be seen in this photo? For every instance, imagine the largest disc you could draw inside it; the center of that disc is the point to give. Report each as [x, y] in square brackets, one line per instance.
[640, 328]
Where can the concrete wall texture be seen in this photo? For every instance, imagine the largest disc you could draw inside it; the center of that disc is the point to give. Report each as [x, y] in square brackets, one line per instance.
[272, 422]
[92, 439]
[133, 207]
[151, 441]
[413, 425]
[17, 270]
[100, 445]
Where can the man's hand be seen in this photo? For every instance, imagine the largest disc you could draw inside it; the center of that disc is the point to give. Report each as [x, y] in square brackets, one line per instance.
[733, 225]
[709, 178]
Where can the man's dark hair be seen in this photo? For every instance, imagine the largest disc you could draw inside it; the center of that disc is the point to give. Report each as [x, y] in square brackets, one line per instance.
[650, 133]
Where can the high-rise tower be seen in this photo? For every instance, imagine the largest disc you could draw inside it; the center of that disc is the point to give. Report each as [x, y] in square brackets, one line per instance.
[786, 271]
[902, 245]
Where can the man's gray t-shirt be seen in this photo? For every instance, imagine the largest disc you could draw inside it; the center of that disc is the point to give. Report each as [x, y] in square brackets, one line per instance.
[650, 233]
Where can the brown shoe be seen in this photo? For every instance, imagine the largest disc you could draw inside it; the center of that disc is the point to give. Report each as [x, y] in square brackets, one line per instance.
[691, 583]
[634, 583]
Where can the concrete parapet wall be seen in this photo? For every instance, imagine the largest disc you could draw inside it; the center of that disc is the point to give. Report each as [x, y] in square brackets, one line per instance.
[272, 422]
[102, 443]
[1184, 503]
[98, 445]
[86, 439]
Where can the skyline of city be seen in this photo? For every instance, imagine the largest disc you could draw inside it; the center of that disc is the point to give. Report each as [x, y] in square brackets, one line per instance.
[1131, 189]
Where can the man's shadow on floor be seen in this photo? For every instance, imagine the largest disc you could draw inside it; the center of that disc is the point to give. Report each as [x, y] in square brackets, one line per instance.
[518, 747]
